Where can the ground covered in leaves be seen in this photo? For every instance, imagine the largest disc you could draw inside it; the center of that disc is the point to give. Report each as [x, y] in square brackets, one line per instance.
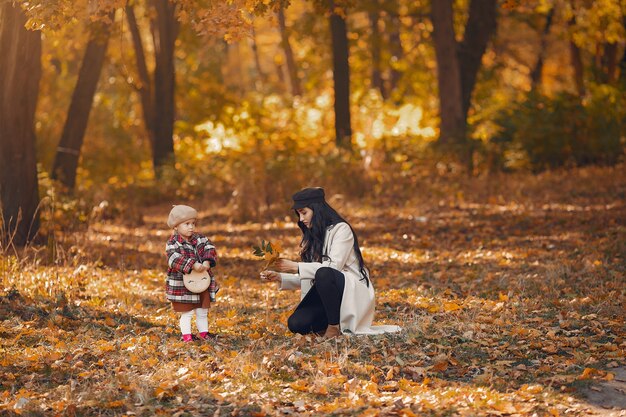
[510, 289]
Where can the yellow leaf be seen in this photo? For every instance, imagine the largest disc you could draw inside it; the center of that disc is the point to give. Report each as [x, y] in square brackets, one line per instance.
[278, 248]
[451, 306]
[409, 386]
[532, 389]
[503, 297]
[104, 346]
[299, 385]
[433, 309]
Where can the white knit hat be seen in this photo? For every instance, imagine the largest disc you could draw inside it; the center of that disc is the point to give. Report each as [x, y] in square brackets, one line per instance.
[180, 214]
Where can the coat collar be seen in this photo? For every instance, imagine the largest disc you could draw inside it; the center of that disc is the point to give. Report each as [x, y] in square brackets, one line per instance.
[192, 240]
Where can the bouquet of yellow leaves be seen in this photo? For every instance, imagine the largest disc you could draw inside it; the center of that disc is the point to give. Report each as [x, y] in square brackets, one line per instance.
[268, 251]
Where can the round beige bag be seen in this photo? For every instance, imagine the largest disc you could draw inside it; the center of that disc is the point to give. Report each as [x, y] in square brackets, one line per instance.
[197, 282]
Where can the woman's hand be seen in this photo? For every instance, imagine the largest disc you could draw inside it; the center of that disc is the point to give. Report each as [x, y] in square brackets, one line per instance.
[285, 265]
[270, 276]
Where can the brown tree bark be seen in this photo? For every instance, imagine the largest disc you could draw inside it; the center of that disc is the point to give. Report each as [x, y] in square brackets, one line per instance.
[341, 78]
[296, 89]
[375, 46]
[20, 72]
[144, 87]
[164, 33]
[609, 62]
[257, 60]
[480, 27]
[577, 63]
[68, 151]
[395, 47]
[458, 65]
[452, 127]
[535, 74]
[157, 90]
[622, 63]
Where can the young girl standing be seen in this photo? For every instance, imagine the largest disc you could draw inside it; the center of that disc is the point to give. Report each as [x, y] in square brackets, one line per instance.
[187, 250]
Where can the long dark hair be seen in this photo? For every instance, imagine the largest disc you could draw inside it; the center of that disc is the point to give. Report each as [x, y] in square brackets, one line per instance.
[313, 239]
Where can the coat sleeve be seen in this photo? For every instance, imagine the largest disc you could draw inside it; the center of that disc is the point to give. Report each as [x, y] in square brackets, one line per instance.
[206, 251]
[176, 260]
[289, 281]
[338, 252]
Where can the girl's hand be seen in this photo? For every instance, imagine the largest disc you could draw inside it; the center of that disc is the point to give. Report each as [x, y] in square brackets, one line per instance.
[198, 267]
[285, 265]
[270, 276]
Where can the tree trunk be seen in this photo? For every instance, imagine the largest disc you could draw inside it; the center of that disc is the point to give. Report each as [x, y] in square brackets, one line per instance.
[457, 67]
[452, 127]
[481, 25]
[341, 78]
[164, 33]
[377, 78]
[397, 53]
[68, 151]
[296, 89]
[144, 87]
[157, 93]
[622, 63]
[20, 72]
[577, 62]
[257, 60]
[609, 62]
[535, 74]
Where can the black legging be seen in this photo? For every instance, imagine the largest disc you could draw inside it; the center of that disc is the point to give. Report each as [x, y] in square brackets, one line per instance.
[321, 305]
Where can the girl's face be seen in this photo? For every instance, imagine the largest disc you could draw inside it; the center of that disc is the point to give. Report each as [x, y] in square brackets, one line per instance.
[305, 215]
[186, 229]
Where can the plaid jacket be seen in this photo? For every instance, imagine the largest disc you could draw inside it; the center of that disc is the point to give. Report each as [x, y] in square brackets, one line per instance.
[181, 256]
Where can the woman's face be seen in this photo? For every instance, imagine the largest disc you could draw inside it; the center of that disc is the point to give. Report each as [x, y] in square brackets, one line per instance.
[305, 215]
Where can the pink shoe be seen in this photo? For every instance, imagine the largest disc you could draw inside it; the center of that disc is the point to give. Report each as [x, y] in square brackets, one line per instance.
[187, 338]
[207, 336]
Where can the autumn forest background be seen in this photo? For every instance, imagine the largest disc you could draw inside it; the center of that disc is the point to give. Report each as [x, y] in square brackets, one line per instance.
[476, 146]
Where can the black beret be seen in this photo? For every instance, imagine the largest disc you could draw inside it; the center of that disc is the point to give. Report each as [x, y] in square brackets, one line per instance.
[307, 196]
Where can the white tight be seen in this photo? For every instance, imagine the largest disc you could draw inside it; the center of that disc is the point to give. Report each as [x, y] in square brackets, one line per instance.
[202, 321]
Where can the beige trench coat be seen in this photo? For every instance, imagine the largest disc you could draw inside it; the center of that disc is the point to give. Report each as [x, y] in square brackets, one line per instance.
[357, 304]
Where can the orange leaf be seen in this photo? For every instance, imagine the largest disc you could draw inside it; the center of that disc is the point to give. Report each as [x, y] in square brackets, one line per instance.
[588, 373]
[406, 412]
[440, 366]
[299, 385]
